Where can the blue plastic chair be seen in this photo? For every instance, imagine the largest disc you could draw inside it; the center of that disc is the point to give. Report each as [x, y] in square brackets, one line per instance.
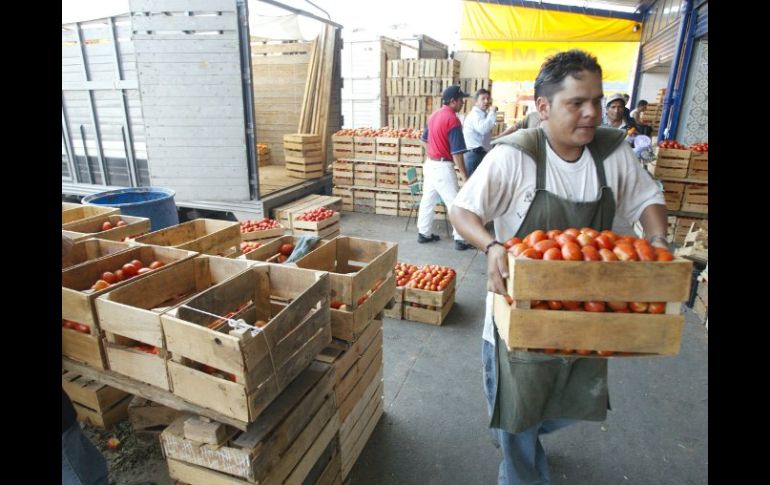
[415, 190]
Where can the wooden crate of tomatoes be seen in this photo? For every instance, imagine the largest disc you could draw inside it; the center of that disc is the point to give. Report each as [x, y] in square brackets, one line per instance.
[592, 293]
[129, 316]
[112, 227]
[321, 222]
[673, 160]
[261, 229]
[82, 284]
[278, 250]
[429, 294]
[362, 280]
[232, 351]
[91, 249]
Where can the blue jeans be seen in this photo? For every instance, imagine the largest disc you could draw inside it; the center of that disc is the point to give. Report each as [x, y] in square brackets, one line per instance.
[472, 160]
[523, 455]
[81, 462]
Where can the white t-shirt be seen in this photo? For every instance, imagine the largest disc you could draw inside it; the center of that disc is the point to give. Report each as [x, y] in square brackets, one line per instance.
[477, 128]
[503, 187]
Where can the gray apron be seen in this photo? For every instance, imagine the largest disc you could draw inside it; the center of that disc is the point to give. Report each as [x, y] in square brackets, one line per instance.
[534, 387]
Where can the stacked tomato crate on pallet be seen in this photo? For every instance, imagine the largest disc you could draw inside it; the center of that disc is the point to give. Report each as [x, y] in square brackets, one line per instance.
[414, 88]
[591, 293]
[362, 285]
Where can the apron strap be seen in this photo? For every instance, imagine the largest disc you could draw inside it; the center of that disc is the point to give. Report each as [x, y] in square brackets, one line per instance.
[605, 142]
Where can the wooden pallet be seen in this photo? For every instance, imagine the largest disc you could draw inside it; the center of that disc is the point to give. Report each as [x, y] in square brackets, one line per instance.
[131, 315]
[261, 363]
[148, 419]
[207, 236]
[95, 403]
[285, 445]
[523, 328]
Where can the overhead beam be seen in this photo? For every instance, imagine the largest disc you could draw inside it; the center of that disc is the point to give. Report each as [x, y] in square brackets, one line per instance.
[301, 12]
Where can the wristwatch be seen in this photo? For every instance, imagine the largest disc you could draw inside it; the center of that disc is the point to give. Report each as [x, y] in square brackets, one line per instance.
[486, 249]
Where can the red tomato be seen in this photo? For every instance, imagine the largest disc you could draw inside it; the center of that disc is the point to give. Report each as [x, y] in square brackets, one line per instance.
[656, 307]
[106, 226]
[565, 238]
[156, 264]
[594, 306]
[534, 237]
[119, 275]
[646, 252]
[611, 235]
[549, 351]
[121, 223]
[584, 352]
[607, 255]
[129, 270]
[137, 264]
[604, 242]
[282, 258]
[79, 327]
[286, 249]
[109, 277]
[591, 232]
[541, 306]
[553, 233]
[572, 305]
[519, 248]
[586, 240]
[566, 351]
[508, 299]
[625, 252]
[638, 306]
[553, 254]
[605, 353]
[617, 305]
[663, 254]
[532, 253]
[335, 304]
[545, 245]
[100, 285]
[590, 253]
[572, 230]
[555, 305]
[571, 252]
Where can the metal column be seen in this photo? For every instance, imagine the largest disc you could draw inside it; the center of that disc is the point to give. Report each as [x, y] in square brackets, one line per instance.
[248, 99]
[128, 139]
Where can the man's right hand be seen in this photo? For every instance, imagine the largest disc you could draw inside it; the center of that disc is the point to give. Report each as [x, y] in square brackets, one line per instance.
[497, 269]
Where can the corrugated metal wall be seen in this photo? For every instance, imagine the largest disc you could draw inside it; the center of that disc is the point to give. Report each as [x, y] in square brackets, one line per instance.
[660, 50]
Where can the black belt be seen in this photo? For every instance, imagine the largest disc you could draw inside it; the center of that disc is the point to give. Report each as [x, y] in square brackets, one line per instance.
[480, 150]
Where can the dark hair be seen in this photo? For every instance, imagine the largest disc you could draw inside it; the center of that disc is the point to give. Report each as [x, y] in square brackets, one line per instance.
[556, 68]
[641, 102]
[480, 92]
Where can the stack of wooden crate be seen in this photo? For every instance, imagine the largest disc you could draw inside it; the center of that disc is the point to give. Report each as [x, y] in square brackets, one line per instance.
[414, 88]
[95, 403]
[362, 285]
[655, 111]
[303, 155]
[292, 441]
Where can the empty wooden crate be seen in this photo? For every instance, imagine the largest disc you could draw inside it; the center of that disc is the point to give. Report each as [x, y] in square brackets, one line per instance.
[207, 236]
[238, 368]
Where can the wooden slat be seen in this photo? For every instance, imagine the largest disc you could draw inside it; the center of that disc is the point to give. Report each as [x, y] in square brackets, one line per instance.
[226, 22]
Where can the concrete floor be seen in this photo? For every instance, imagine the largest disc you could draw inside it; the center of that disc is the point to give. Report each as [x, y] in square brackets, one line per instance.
[434, 430]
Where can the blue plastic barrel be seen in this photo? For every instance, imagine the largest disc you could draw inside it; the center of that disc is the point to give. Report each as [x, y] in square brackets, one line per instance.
[155, 203]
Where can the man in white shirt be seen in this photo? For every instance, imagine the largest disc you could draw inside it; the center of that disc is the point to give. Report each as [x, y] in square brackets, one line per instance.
[477, 130]
[568, 173]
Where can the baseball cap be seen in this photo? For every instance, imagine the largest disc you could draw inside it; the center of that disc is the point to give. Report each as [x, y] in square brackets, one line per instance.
[453, 92]
[615, 97]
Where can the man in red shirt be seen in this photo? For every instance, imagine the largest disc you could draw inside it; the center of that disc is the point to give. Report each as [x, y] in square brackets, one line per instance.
[444, 146]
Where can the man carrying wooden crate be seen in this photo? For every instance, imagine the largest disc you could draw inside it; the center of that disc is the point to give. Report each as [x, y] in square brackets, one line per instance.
[568, 173]
[444, 146]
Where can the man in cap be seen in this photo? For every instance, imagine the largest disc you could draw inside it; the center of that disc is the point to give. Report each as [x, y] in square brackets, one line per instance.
[614, 118]
[444, 146]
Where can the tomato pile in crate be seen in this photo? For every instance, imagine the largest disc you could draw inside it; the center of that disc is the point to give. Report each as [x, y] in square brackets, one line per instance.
[423, 293]
[321, 222]
[261, 229]
[592, 293]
